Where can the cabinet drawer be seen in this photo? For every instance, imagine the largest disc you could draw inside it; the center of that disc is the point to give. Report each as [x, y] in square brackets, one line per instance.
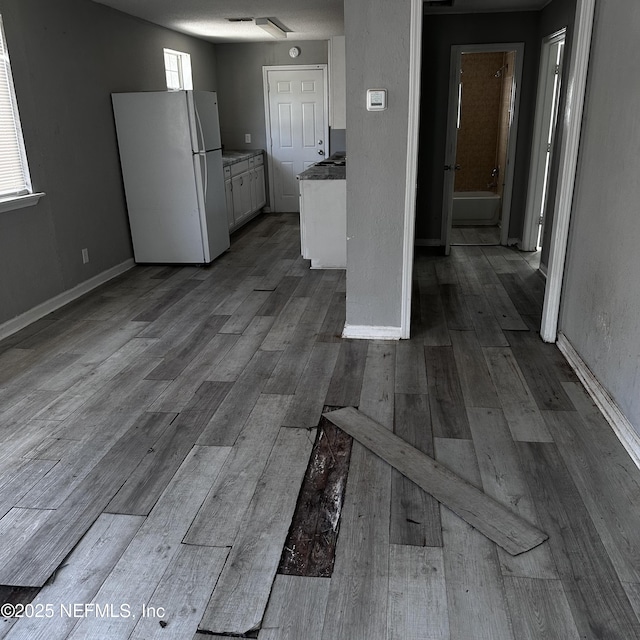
[239, 167]
[258, 160]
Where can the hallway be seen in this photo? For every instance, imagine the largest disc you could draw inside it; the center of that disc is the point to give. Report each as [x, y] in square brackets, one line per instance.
[155, 435]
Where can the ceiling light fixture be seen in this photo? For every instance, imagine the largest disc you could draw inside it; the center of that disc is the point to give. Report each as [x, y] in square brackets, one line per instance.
[270, 27]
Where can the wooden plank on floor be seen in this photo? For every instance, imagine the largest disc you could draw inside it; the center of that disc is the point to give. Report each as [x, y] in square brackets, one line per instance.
[503, 309]
[448, 415]
[296, 609]
[487, 329]
[411, 373]
[182, 594]
[476, 599]
[417, 594]
[18, 478]
[455, 309]
[171, 297]
[475, 381]
[228, 420]
[503, 479]
[415, 515]
[36, 560]
[143, 487]
[287, 372]
[334, 320]
[246, 312]
[359, 591]
[276, 301]
[309, 399]
[16, 528]
[378, 384]
[432, 328]
[610, 492]
[520, 409]
[496, 522]
[240, 598]
[79, 579]
[183, 353]
[140, 569]
[539, 609]
[285, 324]
[346, 382]
[594, 591]
[539, 372]
[219, 518]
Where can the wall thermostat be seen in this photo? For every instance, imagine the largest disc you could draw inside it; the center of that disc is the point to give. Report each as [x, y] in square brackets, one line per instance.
[376, 99]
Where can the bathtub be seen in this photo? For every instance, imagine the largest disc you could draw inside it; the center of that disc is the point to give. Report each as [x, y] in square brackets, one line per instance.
[476, 208]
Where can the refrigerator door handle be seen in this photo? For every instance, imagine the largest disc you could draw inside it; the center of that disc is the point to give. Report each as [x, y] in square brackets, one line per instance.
[200, 132]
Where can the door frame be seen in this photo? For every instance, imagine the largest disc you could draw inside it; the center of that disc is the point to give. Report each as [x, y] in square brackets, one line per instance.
[571, 122]
[452, 134]
[267, 113]
[538, 152]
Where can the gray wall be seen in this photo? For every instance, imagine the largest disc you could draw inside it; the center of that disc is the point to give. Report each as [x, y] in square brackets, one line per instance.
[600, 311]
[377, 56]
[440, 32]
[67, 57]
[240, 93]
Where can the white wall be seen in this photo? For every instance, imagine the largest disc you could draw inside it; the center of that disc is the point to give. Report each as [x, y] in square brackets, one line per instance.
[600, 310]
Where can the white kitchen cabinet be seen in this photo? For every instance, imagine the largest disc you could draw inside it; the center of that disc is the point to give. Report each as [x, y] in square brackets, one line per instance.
[228, 194]
[323, 223]
[245, 189]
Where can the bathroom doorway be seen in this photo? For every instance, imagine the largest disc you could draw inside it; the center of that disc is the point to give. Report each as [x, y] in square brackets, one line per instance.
[483, 107]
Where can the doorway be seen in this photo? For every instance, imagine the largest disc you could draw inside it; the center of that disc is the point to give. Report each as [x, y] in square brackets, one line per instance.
[544, 135]
[296, 110]
[481, 142]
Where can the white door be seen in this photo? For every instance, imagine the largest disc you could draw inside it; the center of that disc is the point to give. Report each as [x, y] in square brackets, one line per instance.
[297, 129]
[543, 139]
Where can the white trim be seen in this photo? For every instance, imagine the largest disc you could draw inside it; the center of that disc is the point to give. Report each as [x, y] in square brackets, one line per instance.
[539, 153]
[369, 332]
[452, 134]
[20, 322]
[621, 426]
[267, 113]
[570, 145]
[411, 183]
[20, 202]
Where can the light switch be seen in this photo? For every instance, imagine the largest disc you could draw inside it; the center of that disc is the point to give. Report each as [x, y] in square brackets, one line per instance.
[247, 137]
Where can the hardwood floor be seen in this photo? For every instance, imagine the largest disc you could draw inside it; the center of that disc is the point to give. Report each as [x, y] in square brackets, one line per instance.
[155, 434]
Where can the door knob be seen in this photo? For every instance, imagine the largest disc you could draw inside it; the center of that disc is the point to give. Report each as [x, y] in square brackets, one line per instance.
[320, 152]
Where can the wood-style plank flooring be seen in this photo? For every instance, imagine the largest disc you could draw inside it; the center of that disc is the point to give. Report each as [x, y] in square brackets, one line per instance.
[154, 436]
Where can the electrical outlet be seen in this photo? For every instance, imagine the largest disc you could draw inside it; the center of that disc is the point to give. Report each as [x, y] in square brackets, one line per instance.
[85, 256]
[247, 138]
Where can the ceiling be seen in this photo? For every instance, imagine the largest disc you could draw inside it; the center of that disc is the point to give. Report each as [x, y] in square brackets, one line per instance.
[302, 19]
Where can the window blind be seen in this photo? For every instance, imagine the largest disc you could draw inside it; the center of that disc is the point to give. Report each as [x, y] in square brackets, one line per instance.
[14, 173]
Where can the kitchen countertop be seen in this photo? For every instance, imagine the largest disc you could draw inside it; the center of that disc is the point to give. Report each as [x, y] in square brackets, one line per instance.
[326, 172]
[230, 156]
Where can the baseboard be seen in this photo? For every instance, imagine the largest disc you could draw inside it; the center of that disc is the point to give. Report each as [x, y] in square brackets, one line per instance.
[25, 319]
[623, 429]
[428, 242]
[368, 332]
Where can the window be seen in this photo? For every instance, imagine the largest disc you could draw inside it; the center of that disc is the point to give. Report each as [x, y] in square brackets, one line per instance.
[177, 66]
[15, 182]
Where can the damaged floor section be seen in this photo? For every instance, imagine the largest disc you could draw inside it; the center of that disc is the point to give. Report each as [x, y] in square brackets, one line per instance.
[310, 546]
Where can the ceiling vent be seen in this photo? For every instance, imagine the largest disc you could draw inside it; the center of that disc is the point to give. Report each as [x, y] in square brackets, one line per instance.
[240, 19]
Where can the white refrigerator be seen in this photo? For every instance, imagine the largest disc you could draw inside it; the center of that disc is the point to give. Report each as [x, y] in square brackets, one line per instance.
[171, 160]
